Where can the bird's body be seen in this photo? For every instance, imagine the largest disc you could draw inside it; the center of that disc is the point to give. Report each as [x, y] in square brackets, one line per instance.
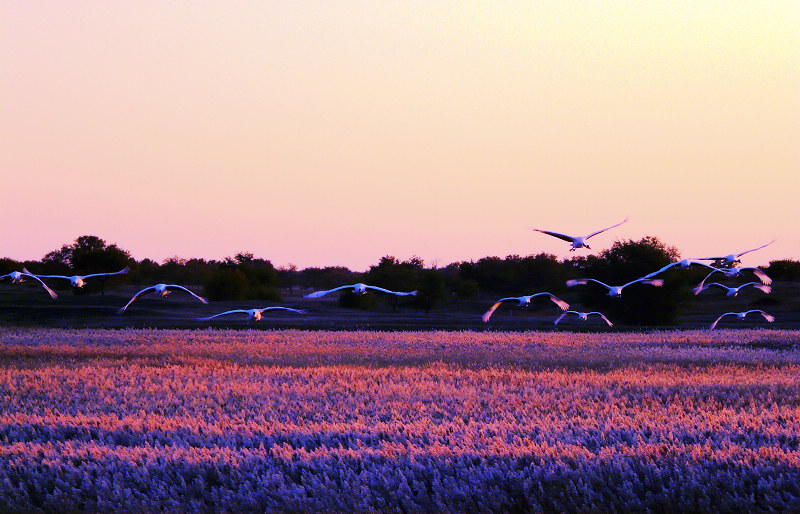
[577, 242]
[80, 280]
[253, 314]
[735, 272]
[682, 264]
[583, 316]
[162, 290]
[18, 277]
[733, 291]
[742, 315]
[358, 289]
[733, 258]
[615, 291]
[523, 301]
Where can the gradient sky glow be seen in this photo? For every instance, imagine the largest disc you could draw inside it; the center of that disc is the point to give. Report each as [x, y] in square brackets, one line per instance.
[333, 133]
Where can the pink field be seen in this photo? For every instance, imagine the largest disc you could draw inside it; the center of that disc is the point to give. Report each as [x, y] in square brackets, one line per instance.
[149, 420]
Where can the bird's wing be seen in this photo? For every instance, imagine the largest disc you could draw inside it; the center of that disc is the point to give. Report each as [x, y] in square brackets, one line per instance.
[52, 293]
[222, 314]
[488, 314]
[722, 316]
[717, 284]
[582, 281]
[694, 262]
[662, 270]
[191, 293]
[712, 258]
[703, 282]
[754, 249]
[46, 276]
[317, 294]
[608, 321]
[636, 281]
[137, 295]
[411, 293]
[299, 311]
[762, 287]
[769, 317]
[562, 316]
[120, 272]
[555, 299]
[607, 228]
[761, 275]
[556, 234]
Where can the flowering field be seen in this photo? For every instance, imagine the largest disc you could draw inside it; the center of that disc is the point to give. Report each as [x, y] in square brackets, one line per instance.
[144, 420]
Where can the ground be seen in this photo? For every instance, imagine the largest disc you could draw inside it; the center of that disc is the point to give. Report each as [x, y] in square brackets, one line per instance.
[364, 421]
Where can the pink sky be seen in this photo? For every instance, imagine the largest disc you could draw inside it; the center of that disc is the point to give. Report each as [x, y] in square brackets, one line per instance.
[332, 133]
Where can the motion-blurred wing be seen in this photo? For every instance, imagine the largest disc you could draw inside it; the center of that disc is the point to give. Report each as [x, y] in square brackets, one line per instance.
[607, 228]
[318, 294]
[556, 234]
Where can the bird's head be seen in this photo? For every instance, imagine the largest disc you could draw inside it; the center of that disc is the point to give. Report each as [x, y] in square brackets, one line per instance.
[360, 288]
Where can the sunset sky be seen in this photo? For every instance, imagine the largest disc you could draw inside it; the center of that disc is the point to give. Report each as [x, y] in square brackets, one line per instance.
[333, 133]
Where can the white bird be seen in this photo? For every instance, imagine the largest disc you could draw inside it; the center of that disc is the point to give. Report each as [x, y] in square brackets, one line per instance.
[358, 289]
[733, 291]
[253, 314]
[583, 316]
[522, 301]
[161, 289]
[741, 315]
[683, 264]
[733, 258]
[79, 280]
[18, 277]
[577, 242]
[615, 291]
[735, 272]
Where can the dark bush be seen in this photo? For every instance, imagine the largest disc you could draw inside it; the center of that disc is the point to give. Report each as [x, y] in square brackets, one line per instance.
[639, 304]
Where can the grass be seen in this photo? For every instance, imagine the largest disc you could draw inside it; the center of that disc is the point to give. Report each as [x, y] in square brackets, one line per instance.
[295, 420]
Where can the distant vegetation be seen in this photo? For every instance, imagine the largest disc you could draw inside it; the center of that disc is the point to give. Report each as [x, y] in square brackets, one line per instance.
[246, 277]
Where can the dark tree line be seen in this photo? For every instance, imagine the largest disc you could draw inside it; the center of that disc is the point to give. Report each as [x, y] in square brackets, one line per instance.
[246, 277]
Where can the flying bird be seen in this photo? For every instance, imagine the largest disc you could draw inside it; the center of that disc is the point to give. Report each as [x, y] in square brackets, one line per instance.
[732, 259]
[358, 289]
[18, 277]
[733, 291]
[735, 272]
[741, 315]
[522, 301]
[615, 291]
[583, 316]
[683, 264]
[253, 314]
[578, 242]
[161, 289]
[79, 280]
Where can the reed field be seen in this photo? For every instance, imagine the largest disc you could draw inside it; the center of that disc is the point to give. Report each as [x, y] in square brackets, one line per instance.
[305, 421]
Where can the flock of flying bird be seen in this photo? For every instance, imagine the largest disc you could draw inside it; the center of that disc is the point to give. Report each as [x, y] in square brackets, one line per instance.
[731, 260]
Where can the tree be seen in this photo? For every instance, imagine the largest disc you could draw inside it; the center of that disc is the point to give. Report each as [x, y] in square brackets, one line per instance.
[243, 277]
[639, 304]
[784, 269]
[394, 275]
[88, 254]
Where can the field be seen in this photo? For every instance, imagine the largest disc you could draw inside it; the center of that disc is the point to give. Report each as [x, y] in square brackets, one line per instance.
[290, 420]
